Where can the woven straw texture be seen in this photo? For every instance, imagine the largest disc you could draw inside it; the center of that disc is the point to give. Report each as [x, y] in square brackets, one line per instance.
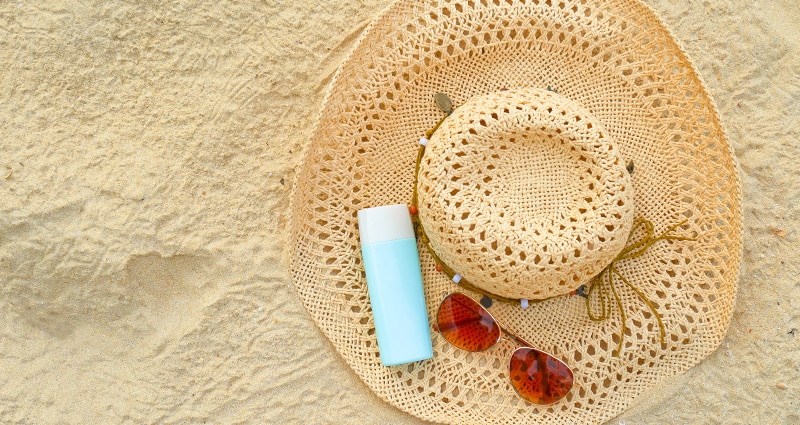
[524, 194]
[616, 60]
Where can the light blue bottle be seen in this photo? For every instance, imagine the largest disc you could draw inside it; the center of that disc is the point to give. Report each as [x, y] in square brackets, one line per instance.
[394, 281]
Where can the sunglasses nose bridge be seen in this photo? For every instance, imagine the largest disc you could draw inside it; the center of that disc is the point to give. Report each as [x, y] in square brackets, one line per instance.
[514, 337]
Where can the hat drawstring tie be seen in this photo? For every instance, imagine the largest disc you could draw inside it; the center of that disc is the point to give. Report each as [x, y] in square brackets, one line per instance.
[606, 277]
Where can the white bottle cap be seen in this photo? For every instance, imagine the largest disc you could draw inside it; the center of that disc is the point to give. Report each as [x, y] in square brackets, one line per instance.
[382, 224]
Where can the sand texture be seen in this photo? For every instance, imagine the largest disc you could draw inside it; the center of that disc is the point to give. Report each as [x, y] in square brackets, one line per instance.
[147, 154]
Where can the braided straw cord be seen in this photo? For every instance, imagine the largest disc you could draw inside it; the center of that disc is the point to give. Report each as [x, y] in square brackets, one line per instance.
[617, 60]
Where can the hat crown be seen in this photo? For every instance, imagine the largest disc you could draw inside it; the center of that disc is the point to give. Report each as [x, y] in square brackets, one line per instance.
[525, 194]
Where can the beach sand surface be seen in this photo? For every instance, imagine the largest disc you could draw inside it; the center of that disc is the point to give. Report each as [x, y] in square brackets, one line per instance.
[147, 153]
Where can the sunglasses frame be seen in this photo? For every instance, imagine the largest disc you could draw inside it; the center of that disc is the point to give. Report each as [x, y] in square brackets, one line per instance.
[521, 343]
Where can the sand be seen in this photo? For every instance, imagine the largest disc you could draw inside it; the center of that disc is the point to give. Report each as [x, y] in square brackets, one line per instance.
[147, 155]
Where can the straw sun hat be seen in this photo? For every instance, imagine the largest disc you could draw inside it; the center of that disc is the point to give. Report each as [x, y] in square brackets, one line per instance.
[580, 134]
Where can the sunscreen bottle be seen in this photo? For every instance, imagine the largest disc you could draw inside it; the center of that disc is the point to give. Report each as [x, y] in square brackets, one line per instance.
[394, 282]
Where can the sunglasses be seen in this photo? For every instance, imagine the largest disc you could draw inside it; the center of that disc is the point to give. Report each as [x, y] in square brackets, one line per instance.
[536, 376]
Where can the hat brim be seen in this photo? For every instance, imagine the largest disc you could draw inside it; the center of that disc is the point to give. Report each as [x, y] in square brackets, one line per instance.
[617, 60]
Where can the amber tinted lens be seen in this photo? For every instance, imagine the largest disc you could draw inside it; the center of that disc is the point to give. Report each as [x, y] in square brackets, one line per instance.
[466, 324]
[539, 377]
